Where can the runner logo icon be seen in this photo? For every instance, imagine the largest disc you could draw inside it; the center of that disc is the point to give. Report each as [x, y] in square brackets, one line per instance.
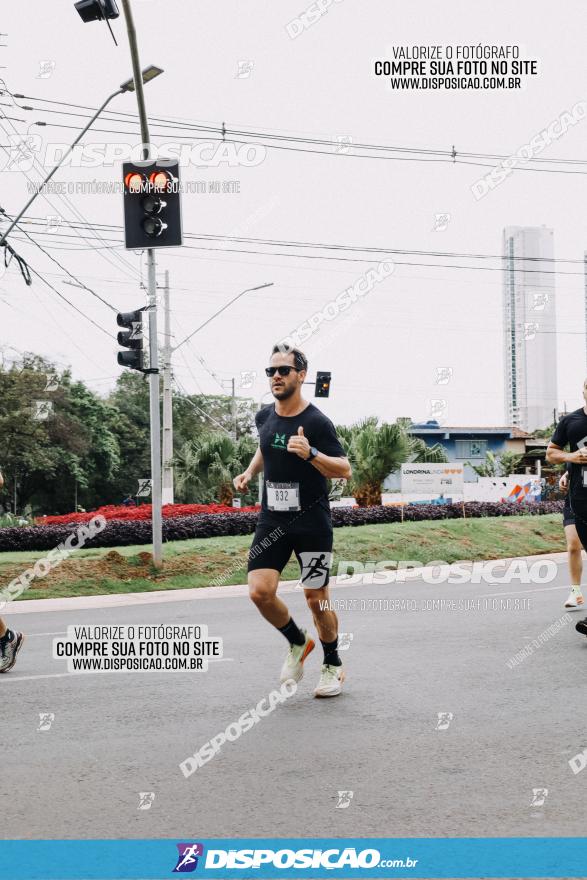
[188, 857]
[279, 441]
[315, 569]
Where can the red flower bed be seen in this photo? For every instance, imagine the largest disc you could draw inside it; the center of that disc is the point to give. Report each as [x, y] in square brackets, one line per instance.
[142, 512]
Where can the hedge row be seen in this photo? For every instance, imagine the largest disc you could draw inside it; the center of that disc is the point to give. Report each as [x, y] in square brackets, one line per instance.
[142, 512]
[119, 533]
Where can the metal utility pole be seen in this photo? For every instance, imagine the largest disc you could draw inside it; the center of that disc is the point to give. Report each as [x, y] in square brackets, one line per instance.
[167, 496]
[155, 417]
[233, 411]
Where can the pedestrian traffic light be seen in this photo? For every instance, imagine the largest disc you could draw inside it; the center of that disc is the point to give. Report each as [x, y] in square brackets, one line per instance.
[133, 339]
[152, 208]
[97, 10]
[322, 384]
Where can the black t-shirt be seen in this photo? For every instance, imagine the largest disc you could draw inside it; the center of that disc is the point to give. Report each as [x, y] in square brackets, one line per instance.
[298, 493]
[571, 431]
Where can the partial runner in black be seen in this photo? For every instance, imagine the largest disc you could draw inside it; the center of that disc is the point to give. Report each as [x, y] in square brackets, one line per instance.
[10, 641]
[298, 451]
[575, 559]
[571, 431]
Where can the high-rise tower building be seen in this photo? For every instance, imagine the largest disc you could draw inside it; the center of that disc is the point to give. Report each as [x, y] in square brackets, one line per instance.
[529, 326]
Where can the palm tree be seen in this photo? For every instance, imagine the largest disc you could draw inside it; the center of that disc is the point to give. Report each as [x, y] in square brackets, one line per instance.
[206, 467]
[497, 466]
[376, 451]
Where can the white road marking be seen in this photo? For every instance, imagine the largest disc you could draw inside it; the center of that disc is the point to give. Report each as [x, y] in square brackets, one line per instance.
[36, 635]
[520, 592]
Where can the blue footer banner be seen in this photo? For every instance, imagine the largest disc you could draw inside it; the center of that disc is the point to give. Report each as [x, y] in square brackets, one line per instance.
[384, 857]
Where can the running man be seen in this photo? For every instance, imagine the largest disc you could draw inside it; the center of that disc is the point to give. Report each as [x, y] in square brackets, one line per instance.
[571, 431]
[575, 558]
[298, 450]
[10, 642]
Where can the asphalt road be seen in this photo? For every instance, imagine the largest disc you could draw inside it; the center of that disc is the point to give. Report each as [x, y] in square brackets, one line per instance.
[513, 730]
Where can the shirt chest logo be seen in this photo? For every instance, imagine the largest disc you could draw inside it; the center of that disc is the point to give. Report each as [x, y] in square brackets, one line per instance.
[279, 442]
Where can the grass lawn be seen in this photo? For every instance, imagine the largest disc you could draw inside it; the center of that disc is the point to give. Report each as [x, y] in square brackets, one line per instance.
[198, 561]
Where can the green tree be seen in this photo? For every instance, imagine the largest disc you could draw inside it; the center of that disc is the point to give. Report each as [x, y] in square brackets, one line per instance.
[375, 451]
[129, 413]
[71, 450]
[498, 465]
[205, 467]
[91, 450]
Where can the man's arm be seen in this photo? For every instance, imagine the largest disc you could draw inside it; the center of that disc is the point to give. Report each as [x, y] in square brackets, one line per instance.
[256, 465]
[241, 482]
[556, 455]
[333, 467]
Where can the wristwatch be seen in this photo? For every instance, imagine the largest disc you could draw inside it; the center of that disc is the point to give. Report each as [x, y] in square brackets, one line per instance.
[313, 453]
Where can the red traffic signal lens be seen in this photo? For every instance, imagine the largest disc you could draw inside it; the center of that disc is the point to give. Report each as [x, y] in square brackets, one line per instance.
[134, 181]
[159, 180]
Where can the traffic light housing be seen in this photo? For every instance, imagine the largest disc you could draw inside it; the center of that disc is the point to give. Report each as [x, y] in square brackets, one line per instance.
[322, 384]
[97, 10]
[132, 338]
[152, 206]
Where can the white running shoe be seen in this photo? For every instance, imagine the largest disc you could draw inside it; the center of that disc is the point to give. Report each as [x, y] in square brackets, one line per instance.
[9, 650]
[331, 679]
[575, 601]
[293, 666]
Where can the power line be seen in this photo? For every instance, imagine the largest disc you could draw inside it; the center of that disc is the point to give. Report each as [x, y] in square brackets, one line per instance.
[410, 153]
[359, 249]
[199, 357]
[79, 283]
[451, 159]
[206, 415]
[224, 250]
[73, 306]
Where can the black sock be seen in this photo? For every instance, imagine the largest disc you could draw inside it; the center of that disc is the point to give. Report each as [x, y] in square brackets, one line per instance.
[8, 636]
[292, 632]
[331, 653]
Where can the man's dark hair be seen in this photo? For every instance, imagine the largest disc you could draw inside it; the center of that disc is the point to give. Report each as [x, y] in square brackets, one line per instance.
[300, 359]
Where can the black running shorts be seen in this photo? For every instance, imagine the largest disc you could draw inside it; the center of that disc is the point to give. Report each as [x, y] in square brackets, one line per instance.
[579, 511]
[272, 548]
[568, 515]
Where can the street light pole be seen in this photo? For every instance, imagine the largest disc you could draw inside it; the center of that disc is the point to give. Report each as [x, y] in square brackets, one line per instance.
[155, 417]
[233, 408]
[167, 495]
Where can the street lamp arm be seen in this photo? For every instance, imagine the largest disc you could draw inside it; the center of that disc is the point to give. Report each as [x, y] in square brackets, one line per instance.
[53, 170]
[219, 312]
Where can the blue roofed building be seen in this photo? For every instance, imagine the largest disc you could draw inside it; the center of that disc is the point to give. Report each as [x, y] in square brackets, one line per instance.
[468, 443]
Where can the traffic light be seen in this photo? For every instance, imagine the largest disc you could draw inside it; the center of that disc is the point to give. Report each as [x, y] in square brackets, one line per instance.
[152, 208]
[97, 10]
[131, 338]
[322, 384]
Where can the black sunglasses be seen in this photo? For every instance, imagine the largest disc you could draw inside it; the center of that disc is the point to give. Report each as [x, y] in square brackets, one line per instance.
[283, 371]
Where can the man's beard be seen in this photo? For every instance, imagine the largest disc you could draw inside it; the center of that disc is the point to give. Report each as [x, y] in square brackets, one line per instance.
[283, 393]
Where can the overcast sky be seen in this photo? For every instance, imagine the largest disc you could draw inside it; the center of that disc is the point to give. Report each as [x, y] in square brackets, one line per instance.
[384, 354]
